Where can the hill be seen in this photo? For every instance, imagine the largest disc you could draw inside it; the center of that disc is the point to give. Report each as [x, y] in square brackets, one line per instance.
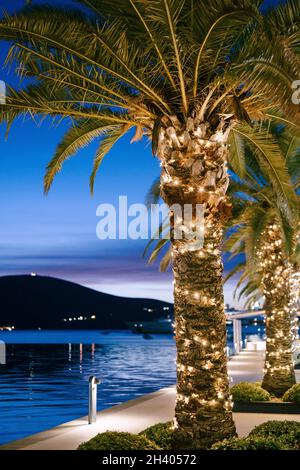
[43, 302]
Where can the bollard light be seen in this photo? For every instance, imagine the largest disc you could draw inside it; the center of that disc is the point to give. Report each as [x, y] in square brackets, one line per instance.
[2, 353]
[93, 382]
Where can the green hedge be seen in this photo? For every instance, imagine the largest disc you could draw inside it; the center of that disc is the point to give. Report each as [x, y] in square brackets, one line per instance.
[287, 431]
[249, 443]
[161, 434]
[246, 392]
[272, 435]
[118, 441]
[292, 394]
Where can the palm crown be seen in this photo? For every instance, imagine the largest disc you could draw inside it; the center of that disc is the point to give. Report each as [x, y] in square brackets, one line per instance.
[255, 207]
[143, 64]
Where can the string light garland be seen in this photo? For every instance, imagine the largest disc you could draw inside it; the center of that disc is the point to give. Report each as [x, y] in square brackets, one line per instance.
[281, 288]
[194, 171]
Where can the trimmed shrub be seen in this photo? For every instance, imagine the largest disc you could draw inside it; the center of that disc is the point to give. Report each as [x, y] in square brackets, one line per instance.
[292, 394]
[288, 432]
[111, 440]
[249, 443]
[161, 434]
[246, 392]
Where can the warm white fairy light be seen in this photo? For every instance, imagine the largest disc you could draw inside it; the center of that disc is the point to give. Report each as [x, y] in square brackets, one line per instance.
[174, 424]
[279, 282]
[188, 174]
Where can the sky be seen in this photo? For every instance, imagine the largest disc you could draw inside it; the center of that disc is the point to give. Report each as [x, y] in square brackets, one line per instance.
[55, 235]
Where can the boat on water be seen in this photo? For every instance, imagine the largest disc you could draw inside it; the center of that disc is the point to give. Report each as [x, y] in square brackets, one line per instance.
[160, 326]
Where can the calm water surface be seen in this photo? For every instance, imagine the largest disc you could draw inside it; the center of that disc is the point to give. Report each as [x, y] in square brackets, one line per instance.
[45, 380]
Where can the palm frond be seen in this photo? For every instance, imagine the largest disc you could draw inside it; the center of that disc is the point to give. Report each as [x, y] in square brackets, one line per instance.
[267, 152]
[239, 267]
[162, 233]
[80, 135]
[237, 154]
[223, 27]
[157, 250]
[153, 194]
[106, 144]
[166, 261]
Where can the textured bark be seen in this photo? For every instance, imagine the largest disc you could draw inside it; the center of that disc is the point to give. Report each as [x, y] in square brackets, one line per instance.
[194, 172]
[280, 306]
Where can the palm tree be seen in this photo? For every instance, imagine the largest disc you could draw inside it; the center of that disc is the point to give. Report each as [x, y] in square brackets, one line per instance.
[263, 231]
[187, 76]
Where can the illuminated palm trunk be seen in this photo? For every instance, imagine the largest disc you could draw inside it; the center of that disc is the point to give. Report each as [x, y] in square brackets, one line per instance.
[194, 173]
[281, 297]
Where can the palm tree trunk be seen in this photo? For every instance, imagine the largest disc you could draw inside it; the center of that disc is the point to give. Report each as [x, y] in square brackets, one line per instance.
[194, 172]
[280, 308]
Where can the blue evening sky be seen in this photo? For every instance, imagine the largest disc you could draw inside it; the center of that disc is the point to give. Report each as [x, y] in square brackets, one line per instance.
[56, 235]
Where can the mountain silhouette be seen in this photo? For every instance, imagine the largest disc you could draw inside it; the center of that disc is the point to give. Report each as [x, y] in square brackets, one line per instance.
[29, 301]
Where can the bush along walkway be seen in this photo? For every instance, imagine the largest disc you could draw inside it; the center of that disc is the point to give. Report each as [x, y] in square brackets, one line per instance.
[272, 435]
[137, 415]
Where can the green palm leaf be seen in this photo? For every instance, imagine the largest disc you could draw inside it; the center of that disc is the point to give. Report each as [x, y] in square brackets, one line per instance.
[237, 154]
[105, 146]
[77, 137]
[268, 154]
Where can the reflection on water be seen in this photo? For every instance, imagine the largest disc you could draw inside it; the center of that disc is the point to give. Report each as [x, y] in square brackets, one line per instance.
[45, 380]
[43, 385]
